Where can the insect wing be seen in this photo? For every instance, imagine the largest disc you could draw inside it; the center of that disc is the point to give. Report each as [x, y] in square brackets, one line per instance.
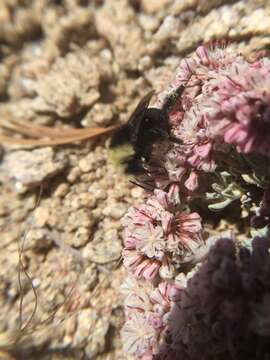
[137, 116]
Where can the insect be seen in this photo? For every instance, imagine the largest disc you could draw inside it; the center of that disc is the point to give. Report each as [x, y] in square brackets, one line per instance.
[146, 127]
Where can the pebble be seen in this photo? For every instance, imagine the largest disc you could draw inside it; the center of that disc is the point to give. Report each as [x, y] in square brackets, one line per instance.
[97, 341]
[38, 239]
[73, 175]
[148, 22]
[83, 200]
[61, 190]
[153, 6]
[85, 165]
[99, 114]
[27, 169]
[105, 251]
[89, 278]
[79, 218]
[85, 320]
[98, 192]
[41, 216]
[115, 210]
[81, 237]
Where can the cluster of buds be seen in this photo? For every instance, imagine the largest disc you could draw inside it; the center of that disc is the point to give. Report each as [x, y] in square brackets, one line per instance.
[184, 298]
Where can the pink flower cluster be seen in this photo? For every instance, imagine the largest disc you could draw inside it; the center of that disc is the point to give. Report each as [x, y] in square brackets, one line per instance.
[147, 315]
[224, 100]
[240, 106]
[158, 234]
[219, 110]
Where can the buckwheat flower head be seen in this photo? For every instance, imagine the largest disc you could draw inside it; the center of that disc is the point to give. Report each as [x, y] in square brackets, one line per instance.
[188, 119]
[147, 308]
[166, 294]
[141, 266]
[150, 241]
[178, 171]
[137, 294]
[158, 233]
[160, 296]
[184, 232]
[241, 107]
[138, 334]
[215, 57]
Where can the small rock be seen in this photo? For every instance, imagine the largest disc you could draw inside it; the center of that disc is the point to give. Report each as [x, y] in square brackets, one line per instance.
[89, 278]
[36, 282]
[91, 162]
[80, 218]
[41, 216]
[61, 190]
[81, 237]
[148, 22]
[98, 192]
[38, 239]
[111, 235]
[100, 114]
[153, 6]
[83, 200]
[145, 63]
[85, 165]
[104, 251]
[168, 28]
[70, 327]
[74, 174]
[97, 213]
[30, 168]
[121, 19]
[97, 341]
[85, 320]
[115, 210]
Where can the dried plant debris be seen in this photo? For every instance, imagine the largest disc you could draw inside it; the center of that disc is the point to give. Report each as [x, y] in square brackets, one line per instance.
[120, 18]
[19, 21]
[68, 67]
[71, 85]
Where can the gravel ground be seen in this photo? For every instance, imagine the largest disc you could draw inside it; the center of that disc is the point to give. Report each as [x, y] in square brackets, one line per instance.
[79, 63]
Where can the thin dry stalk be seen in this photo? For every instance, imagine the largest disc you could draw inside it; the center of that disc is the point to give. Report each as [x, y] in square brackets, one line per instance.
[10, 340]
[22, 268]
[39, 135]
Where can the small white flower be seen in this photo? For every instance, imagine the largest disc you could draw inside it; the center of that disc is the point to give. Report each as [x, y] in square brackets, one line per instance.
[150, 241]
[138, 335]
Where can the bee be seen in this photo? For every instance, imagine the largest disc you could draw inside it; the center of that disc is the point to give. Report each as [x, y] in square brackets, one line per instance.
[133, 142]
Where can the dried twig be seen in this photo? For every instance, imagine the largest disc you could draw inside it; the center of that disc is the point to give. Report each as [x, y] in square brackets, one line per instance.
[21, 268]
[40, 135]
[59, 140]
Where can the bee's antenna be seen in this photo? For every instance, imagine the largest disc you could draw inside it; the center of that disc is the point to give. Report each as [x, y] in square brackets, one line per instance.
[143, 185]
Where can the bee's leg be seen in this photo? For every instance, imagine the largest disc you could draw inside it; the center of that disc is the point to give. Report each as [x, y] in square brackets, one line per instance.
[160, 132]
[143, 184]
[175, 140]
